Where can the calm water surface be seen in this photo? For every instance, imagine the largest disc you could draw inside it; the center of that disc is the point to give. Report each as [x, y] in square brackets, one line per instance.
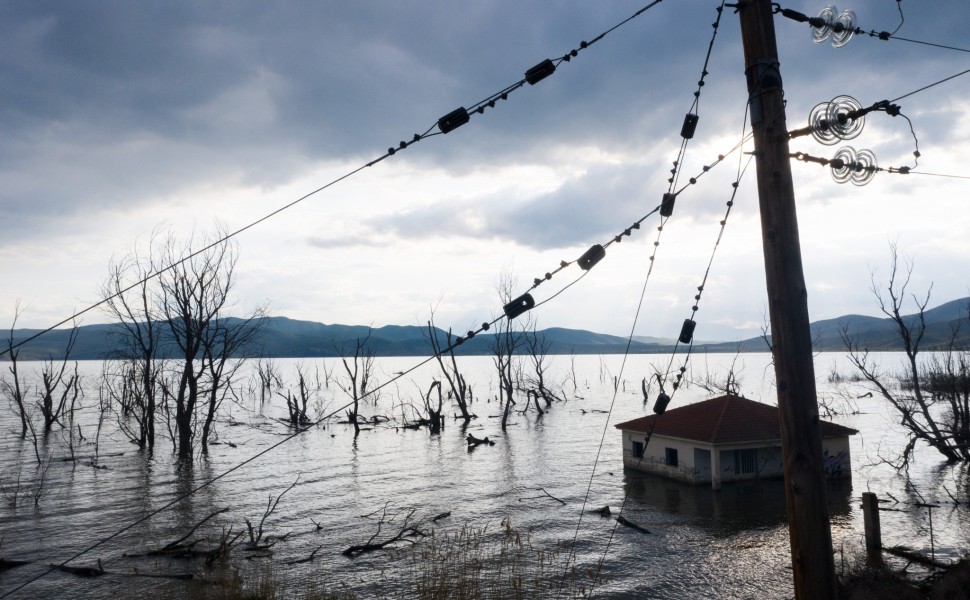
[704, 544]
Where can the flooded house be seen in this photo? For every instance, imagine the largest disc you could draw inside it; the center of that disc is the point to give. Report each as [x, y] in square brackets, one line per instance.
[724, 439]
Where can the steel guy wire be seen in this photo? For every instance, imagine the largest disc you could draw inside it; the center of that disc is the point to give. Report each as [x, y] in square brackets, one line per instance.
[744, 137]
[662, 380]
[702, 286]
[690, 120]
[643, 291]
[445, 124]
[700, 289]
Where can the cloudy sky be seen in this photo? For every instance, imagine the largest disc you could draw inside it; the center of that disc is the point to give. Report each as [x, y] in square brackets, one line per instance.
[121, 118]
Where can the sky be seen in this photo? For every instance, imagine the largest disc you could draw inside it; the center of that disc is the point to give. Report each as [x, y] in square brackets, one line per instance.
[122, 119]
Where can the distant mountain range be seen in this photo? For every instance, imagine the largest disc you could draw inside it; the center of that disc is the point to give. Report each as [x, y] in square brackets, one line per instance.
[283, 337]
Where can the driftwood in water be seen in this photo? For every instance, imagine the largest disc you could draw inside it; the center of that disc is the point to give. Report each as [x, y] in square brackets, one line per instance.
[310, 558]
[81, 571]
[624, 521]
[404, 534]
[11, 563]
[545, 495]
[179, 548]
[907, 553]
[256, 533]
[474, 442]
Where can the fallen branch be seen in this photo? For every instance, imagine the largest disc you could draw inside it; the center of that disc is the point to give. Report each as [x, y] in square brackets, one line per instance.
[474, 442]
[168, 548]
[956, 501]
[310, 558]
[255, 535]
[545, 493]
[624, 521]
[914, 556]
[11, 563]
[407, 531]
[81, 571]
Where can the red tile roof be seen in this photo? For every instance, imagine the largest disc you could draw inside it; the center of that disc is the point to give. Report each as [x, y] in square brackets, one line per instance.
[724, 420]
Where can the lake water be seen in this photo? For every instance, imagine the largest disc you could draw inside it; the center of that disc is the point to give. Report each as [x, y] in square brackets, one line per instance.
[704, 544]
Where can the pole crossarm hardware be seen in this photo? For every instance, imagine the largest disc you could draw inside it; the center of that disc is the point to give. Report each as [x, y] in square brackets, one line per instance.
[805, 488]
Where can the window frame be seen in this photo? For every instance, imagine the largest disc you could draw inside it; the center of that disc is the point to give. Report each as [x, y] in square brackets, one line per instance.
[746, 461]
[670, 457]
[637, 446]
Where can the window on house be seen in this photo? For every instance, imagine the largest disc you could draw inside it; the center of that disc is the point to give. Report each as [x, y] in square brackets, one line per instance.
[670, 457]
[746, 461]
[637, 449]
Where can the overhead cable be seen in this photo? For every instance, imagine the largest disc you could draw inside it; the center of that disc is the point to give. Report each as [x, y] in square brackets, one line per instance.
[839, 27]
[511, 310]
[445, 124]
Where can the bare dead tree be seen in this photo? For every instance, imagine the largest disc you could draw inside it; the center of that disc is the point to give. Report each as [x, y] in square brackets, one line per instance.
[537, 346]
[192, 300]
[933, 401]
[717, 383]
[458, 387]
[225, 344]
[572, 373]
[131, 302]
[58, 385]
[505, 344]
[359, 377]
[269, 379]
[296, 402]
[13, 389]
[434, 414]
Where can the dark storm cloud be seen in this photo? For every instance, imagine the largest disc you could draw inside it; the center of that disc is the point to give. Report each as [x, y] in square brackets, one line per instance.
[106, 104]
[112, 103]
[588, 209]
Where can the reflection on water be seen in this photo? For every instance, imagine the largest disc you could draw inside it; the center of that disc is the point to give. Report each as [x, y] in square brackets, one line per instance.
[729, 511]
[704, 544]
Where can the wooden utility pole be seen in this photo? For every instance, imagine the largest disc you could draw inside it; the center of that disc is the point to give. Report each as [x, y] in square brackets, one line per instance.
[791, 342]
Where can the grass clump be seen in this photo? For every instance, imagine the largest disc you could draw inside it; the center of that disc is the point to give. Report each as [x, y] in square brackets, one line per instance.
[471, 564]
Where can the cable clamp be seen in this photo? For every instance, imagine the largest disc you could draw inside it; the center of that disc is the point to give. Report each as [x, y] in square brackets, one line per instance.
[520, 305]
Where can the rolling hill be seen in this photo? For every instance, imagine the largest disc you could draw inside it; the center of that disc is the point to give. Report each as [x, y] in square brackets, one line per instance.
[284, 337]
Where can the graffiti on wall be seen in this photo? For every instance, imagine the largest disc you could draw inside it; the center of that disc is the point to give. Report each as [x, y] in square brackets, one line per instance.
[835, 466]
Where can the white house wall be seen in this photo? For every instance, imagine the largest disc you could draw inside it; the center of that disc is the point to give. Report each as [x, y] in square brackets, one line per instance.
[838, 462]
[768, 465]
[654, 457]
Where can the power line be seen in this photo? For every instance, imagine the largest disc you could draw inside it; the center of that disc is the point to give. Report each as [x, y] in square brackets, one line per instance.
[902, 39]
[841, 27]
[931, 174]
[839, 163]
[686, 336]
[691, 118]
[510, 311]
[666, 210]
[934, 84]
[445, 124]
